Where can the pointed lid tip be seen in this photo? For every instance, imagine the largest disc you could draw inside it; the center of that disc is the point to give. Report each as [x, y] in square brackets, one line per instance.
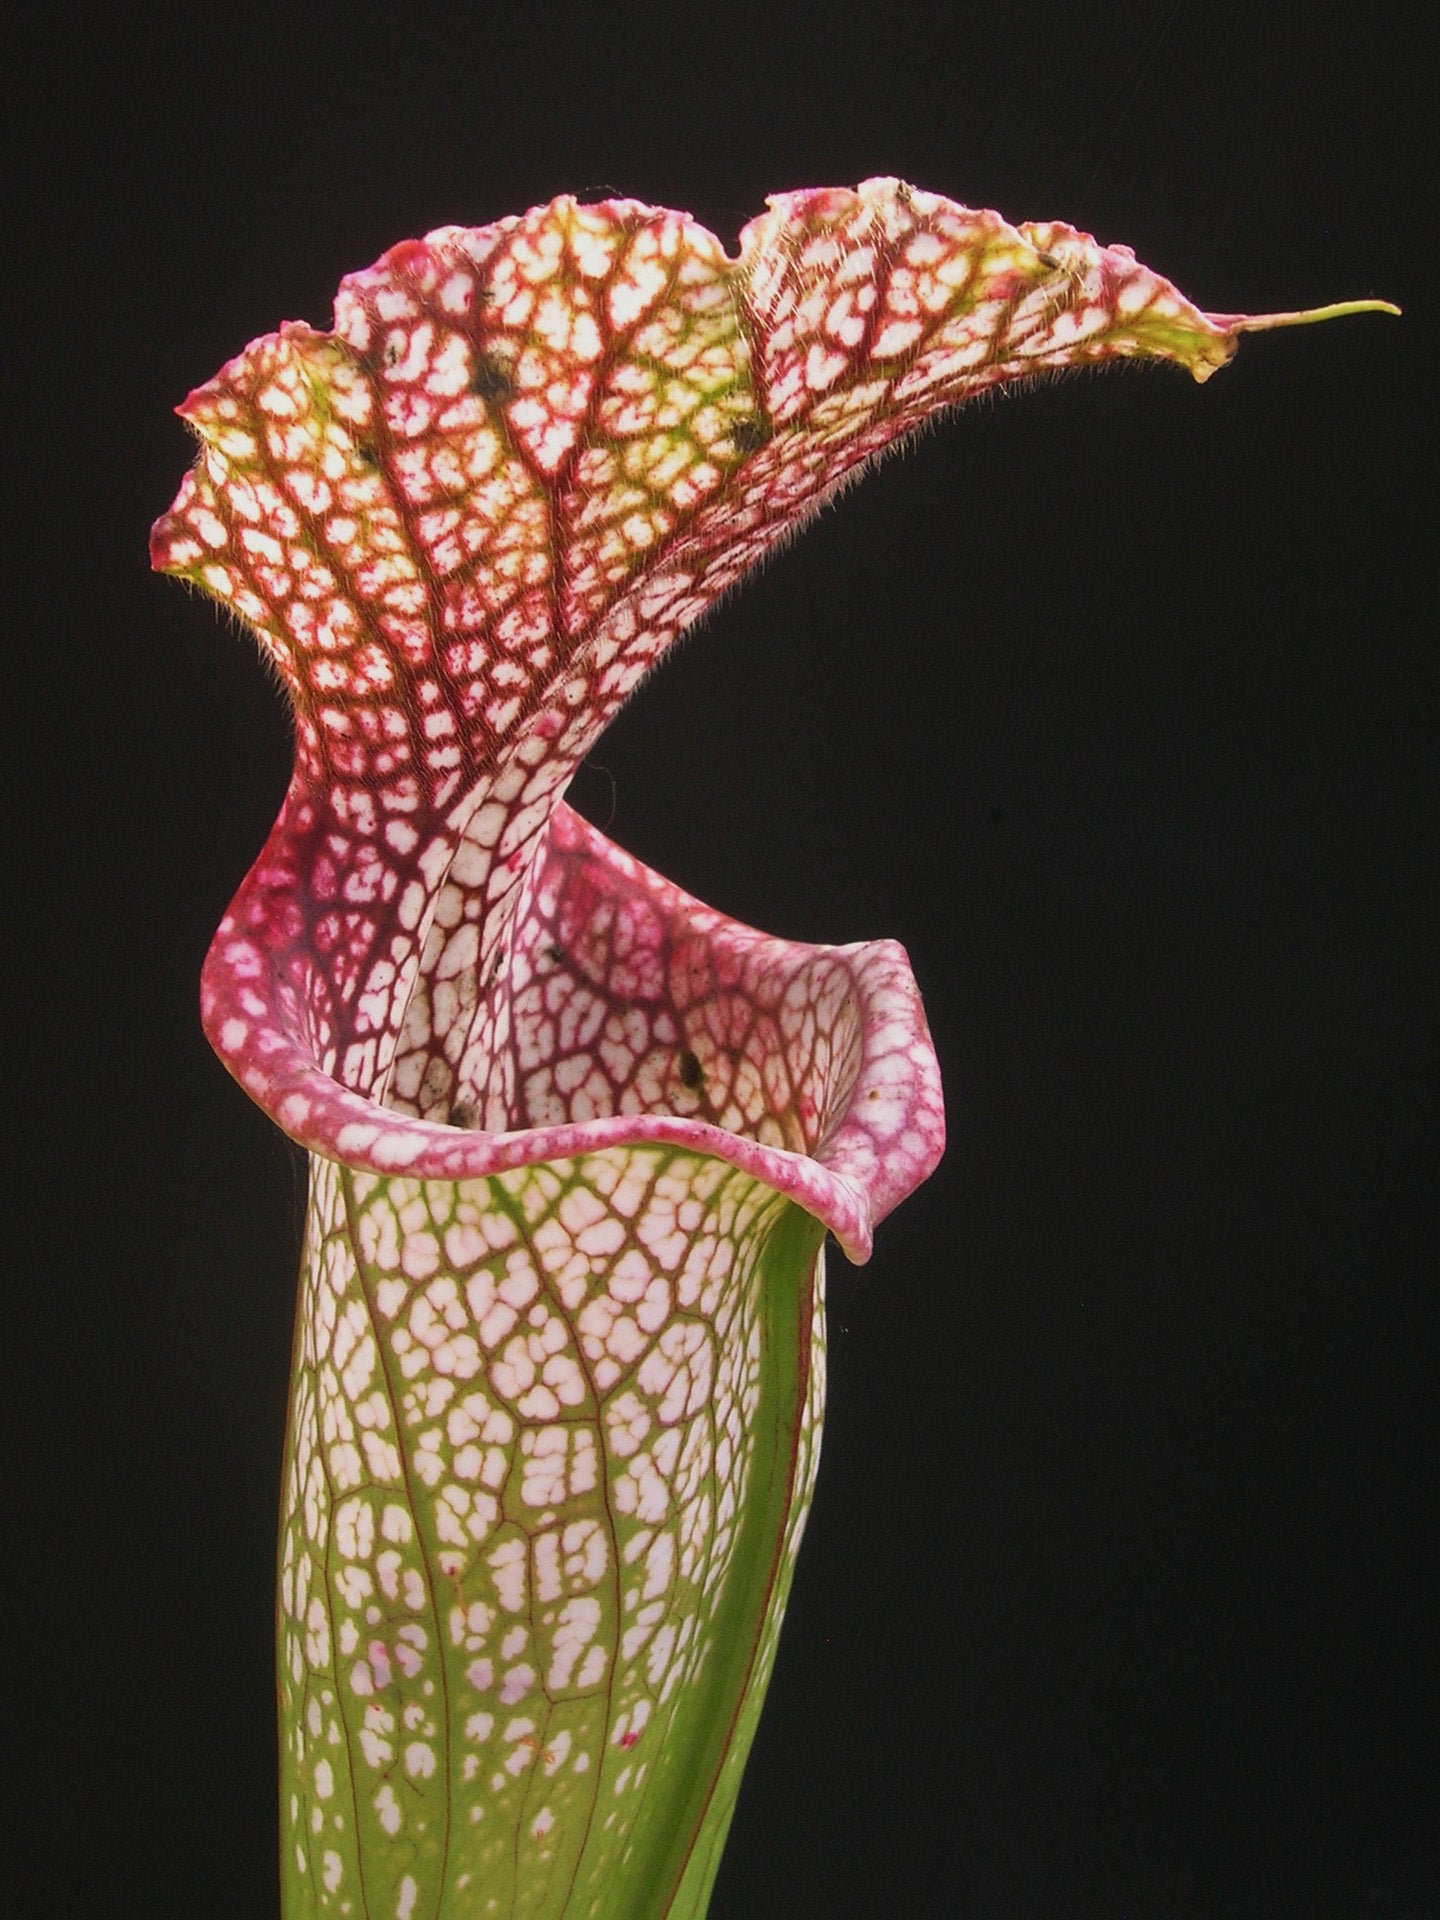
[1305, 317]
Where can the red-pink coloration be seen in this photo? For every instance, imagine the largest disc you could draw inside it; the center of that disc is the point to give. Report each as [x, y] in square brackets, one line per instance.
[465, 525]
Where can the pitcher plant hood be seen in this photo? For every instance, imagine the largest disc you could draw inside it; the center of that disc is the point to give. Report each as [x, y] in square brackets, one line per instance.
[464, 525]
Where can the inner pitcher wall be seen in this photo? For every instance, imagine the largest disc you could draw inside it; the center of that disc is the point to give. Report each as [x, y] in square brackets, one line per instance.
[592, 987]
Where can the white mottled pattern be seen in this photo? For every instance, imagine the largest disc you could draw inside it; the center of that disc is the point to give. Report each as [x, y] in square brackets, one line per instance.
[558, 1374]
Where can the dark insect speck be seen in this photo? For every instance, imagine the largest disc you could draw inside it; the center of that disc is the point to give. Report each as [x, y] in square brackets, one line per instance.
[392, 353]
[749, 434]
[1051, 260]
[554, 954]
[464, 1114]
[491, 381]
[687, 1065]
[366, 454]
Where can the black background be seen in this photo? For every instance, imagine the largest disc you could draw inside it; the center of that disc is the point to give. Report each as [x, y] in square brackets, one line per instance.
[1113, 701]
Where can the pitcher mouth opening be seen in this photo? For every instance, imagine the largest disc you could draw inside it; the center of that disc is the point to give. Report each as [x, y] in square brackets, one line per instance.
[617, 995]
[622, 1011]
